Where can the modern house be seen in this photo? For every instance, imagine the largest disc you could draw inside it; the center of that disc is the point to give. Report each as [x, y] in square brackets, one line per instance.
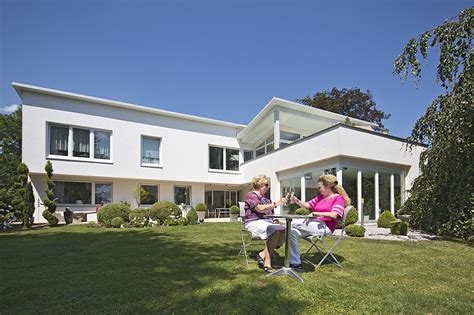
[102, 150]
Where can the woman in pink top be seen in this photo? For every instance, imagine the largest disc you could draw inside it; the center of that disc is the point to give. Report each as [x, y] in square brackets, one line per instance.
[326, 210]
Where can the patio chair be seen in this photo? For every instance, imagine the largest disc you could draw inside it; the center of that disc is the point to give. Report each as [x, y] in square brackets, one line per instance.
[326, 250]
[246, 236]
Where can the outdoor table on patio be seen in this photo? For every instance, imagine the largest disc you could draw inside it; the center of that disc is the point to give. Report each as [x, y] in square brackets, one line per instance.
[286, 270]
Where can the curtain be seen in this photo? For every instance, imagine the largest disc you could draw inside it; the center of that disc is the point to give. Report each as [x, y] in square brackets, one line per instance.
[81, 142]
[101, 145]
[58, 144]
[151, 151]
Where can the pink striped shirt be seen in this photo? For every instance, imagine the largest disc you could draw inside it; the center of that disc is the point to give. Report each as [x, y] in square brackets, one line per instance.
[334, 204]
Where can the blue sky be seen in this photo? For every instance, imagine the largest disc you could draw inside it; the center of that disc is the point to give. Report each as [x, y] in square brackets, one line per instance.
[219, 59]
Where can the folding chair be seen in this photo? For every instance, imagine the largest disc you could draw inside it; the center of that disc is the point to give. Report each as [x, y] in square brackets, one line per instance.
[246, 236]
[317, 241]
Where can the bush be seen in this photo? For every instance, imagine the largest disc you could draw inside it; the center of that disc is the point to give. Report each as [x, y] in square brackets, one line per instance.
[192, 216]
[52, 220]
[139, 217]
[302, 211]
[399, 228]
[292, 207]
[2, 218]
[385, 220]
[175, 221]
[160, 211]
[117, 222]
[92, 225]
[113, 210]
[352, 217]
[355, 230]
[201, 207]
[234, 210]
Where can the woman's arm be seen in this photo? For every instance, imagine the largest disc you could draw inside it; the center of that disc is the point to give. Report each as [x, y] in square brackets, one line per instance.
[270, 206]
[331, 214]
[300, 203]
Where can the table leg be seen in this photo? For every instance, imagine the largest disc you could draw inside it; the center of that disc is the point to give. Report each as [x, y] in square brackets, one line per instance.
[286, 270]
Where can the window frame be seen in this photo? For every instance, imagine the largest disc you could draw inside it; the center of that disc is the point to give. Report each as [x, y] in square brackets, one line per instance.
[157, 195]
[142, 164]
[224, 155]
[93, 188]
[70, 154]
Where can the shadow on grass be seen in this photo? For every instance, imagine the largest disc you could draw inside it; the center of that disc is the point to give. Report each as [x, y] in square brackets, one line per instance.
[151, 270]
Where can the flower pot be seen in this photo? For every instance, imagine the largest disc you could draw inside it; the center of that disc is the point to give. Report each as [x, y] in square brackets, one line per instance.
[201, 215]
[233, 217]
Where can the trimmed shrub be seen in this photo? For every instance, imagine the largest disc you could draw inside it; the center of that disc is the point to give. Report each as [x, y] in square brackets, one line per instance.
[139, 217]
[126, 225]
[111, 211]
[355, 230]
[201, 207]
[52, 220]
[234, 210]
[160, 211]
[175, 221]
[352, 217]
[292, 207]
[92, 225]
[385, 220]
[192, 216]
[117, 222]
[302, 211]
[399, 228]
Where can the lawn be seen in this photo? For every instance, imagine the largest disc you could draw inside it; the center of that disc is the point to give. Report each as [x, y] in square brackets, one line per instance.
[195, 269]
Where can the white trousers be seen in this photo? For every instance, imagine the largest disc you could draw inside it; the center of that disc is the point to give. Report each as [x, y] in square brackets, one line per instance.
[300, 229]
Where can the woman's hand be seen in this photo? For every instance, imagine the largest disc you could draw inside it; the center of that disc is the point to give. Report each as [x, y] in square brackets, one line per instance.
[293, 198]
[282, 201]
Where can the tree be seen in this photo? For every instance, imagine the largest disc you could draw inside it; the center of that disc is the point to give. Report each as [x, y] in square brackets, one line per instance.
[10, 155]
[439, 200]
[49, 201]
[349, 102]
[24, 201]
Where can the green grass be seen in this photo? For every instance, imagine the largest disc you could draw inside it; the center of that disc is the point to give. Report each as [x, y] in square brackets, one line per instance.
[194, 269]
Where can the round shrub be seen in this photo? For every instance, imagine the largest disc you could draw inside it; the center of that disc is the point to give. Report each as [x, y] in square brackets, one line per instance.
[170, 221]
[138, 217]
[160, 211]
[201, 207]
[183, 221]
[355, 230]
[302, 211]
[352, 217]
[113, 210]
[234, 210]
[117, 222]
[385, 220]
[192, 216]
[399, 228]
[126, 225]
[92, 225]
[52, 220]
[292, 207]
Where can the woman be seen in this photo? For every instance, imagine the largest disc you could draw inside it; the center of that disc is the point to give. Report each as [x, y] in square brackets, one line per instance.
[256, 207]
[326, 210]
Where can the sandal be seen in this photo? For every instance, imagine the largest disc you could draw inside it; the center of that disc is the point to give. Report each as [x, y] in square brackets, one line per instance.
[268, 269]
[259, 260]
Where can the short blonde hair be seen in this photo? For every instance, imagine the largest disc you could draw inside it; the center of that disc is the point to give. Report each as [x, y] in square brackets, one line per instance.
[260, 180]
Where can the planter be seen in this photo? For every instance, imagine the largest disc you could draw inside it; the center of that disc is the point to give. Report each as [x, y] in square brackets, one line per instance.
[201, 215]
[404, 217]
[68, 215]
[233, 217]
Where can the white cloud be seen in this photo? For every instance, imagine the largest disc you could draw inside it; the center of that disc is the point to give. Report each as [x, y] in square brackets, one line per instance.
[10, 109]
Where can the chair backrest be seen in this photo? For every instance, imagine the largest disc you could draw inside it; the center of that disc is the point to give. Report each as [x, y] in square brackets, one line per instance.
[346, 211]
[242, 209]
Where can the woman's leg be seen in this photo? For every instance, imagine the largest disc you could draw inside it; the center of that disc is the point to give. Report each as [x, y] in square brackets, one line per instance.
[303, 230]
[270, 245]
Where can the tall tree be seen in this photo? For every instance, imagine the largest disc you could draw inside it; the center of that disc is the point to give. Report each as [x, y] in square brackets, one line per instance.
[349, 102]
[10, 155]
[439, 200]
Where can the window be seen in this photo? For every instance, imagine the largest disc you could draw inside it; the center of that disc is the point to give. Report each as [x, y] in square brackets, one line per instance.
[73, 192]
[151, 151]
[265, 147]
[182, 195]
[217, 161]
[103, 192]
[86, 143]
[248, 155]
[149, 195]
[287, 138]
[58, 140]
[101, 145]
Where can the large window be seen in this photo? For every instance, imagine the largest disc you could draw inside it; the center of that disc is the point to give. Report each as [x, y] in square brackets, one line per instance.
[86, 143]
[182, 194]
[288, 186]
[265, 147]
[151, 151]
[349, 182]
[103, 192]
[218, 162]
[287, 138]
[368, 194]
[149, 194]
[384, 191]
[248, 155]
[73, 192]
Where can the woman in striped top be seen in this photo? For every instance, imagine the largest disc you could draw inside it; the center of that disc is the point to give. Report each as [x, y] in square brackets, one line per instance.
[326, 210]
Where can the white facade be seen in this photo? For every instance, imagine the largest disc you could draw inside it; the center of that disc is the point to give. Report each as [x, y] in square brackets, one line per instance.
[314, 140]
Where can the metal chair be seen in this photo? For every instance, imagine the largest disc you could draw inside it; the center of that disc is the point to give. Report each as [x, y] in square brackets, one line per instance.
[246, 236]
[318, 242]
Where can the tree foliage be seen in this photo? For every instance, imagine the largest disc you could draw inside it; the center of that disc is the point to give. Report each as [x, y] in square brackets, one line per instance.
[10, 155]
[349, 102]
[24, 200]
[439, 200]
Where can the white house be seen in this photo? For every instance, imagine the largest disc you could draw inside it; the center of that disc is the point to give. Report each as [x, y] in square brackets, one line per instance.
[102, 150]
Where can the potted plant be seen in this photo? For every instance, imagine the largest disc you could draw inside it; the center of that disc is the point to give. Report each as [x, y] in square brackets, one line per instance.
[201, 211]
[234, 212]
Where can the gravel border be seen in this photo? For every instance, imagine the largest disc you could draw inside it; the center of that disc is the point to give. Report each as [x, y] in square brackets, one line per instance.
[375, 233]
